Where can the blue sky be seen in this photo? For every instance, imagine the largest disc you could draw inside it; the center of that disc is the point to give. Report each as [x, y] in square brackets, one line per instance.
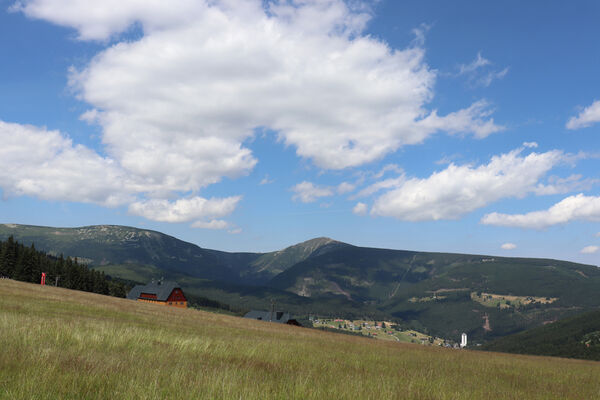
[253, 125]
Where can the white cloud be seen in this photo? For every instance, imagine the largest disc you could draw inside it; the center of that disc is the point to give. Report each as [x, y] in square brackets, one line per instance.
[387, 168]
[598, 234]
[473, 120]
[589, 116]
[46, 164]
[448, 159]
[477, 77]
[235, 231]
[474, 65]
[177, 104]
[531, 145]
[266, 180]
[381, 185]
[184, 210]
[590, 249]
[572, 208]
[491, 76]
[457, 190]
[212, 224]
[104, 19]
[307, 192]
[420, 34]
[557, 185]
[360, 209]
[508, 246]
[345, 187]
[178, 99]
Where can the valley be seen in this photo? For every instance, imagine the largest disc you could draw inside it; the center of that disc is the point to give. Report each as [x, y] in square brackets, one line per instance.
[438, 294]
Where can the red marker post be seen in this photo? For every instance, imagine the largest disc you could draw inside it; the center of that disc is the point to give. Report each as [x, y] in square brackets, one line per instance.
[43, 279]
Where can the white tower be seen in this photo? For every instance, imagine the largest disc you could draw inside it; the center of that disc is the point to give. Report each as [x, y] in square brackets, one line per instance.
[463, 340]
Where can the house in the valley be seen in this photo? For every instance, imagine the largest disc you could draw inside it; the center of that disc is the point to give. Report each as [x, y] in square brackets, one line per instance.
[162, 292]
[279, 317]
[463, 340]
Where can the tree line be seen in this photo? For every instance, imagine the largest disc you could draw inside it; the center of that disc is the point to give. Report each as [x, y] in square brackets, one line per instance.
[26, 264]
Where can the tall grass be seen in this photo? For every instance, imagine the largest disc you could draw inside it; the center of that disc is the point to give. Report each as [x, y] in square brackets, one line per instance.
[62, 344]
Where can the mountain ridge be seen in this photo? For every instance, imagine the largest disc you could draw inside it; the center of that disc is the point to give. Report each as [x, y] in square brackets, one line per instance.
[440, 293]
[102, 245]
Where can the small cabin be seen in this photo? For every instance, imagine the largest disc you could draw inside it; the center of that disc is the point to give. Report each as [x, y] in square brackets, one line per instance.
[279, 317]
[162, 292]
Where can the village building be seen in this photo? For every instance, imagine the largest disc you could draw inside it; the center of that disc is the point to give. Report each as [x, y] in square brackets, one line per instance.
[463, 340]
[162, 292]
[279, 317]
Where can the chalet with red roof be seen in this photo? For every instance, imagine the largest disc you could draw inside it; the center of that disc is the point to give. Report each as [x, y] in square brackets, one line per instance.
[161, 292]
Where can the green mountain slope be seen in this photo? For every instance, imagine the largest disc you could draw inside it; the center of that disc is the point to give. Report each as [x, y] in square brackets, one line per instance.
[388, 275]
[105, 245]
[141, 254]
[439, 293]
[447, 294]
[271, 264]
[576, 337]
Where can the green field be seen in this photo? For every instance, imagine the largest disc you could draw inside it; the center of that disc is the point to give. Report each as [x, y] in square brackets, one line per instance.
[508, 301]
[57, 343]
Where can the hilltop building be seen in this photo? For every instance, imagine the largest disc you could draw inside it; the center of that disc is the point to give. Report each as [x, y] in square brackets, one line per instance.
[161, 292]
[279, 317]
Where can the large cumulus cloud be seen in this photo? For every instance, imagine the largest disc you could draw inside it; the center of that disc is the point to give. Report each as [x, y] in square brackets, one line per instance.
[177, 101]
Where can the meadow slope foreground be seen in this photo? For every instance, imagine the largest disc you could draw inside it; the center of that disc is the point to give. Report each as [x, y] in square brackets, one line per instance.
[58, 343]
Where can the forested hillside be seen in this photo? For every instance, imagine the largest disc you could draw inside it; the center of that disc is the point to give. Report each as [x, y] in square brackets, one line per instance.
[140, 254]
[27, 264]
[576, 337]
[441, 294]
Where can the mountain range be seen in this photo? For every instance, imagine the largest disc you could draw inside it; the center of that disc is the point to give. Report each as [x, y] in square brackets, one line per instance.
[443, 294]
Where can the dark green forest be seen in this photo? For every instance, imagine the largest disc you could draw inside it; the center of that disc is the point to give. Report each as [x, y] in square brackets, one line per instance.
[575, 337]
[26, 264]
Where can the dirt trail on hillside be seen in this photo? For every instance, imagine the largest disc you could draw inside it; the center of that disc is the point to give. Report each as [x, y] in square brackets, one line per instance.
[338, 289]
[486, 324]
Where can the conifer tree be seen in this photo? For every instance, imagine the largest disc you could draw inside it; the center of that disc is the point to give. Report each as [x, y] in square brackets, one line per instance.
[9, 257]
[27, 264]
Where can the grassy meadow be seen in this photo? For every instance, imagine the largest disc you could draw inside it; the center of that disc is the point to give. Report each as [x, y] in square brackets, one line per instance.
[62, 344]
[507, 301]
